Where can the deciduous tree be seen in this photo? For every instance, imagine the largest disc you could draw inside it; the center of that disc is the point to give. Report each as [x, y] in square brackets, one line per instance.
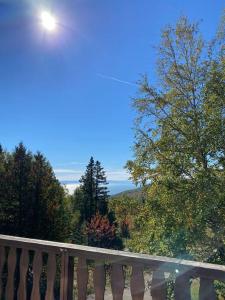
[180, 147]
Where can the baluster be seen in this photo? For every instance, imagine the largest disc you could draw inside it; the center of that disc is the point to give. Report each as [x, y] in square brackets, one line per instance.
[99, 280]
[11, 272]
[2, 260]
[158, 286]
[24, 260]
[182, 287]
[206, 290]
[137, 283]
[82, 278]
[64, 275]
[117, 281]
[37, 269]
[51, 271]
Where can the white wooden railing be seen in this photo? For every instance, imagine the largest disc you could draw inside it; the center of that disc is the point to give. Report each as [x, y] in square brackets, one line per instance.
[16, 259]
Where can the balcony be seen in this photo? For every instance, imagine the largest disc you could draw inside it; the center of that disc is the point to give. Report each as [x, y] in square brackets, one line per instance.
[23, 262]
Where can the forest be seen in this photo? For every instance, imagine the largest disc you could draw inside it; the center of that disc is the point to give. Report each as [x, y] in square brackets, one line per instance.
[179, 162]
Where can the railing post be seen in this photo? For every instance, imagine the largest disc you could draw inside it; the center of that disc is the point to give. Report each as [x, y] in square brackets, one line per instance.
[99, 280]
[51, 272]
[137, 282]
[158, 286]
[11, 272]
[82, 278]
[117, 281]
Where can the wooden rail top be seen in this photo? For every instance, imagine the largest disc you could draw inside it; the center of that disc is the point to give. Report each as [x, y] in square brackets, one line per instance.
[23, 262]
[114, 256]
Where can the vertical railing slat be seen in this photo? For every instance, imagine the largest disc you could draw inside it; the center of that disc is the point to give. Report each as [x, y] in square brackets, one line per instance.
[37, 269]
[182, 290]
[99, 280]
[11, 272]
[137, 283]
[206, 290]
[64, 275]
[2, 260]
[51, 271]
[82, 278]
[24, 261]
[117, 281]
[158, 286]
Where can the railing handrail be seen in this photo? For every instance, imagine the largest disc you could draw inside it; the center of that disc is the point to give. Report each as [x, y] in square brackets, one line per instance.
[166, 264]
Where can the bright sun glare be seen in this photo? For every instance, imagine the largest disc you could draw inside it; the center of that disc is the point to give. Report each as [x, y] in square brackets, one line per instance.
[48, 21]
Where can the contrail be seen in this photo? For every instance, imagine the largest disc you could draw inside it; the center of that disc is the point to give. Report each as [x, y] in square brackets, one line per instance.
[115, 79]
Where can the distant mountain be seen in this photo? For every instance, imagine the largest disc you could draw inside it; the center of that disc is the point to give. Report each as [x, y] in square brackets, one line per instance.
[137, 193]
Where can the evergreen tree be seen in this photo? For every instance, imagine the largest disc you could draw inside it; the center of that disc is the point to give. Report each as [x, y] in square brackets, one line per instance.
[32, 201]
[101, 190]
[88, 191]
[92, 195]
[96, 226]
[21, 183]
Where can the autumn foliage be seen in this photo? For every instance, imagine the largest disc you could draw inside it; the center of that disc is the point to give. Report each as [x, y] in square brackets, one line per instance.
[101, 233]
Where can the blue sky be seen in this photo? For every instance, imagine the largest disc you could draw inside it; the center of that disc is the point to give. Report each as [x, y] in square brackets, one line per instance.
[68, 93]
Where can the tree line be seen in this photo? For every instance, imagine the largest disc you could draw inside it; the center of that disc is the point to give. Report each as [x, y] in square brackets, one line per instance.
[34, 204]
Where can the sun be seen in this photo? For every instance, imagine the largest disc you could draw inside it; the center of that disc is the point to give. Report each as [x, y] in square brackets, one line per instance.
[48, 21]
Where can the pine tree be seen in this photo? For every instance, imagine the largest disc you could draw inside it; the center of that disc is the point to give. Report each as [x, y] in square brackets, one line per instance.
[92, 195]
[32, 201]
[96, 226]
[101, 190]
[22, 185]
[88, 191]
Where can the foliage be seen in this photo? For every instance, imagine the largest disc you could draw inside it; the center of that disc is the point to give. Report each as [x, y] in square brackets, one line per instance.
[180, 149]
[32, 201]
[101, 233]
[125, 208]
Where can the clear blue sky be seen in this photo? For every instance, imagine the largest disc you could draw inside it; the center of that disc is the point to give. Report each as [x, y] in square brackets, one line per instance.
[68, 93]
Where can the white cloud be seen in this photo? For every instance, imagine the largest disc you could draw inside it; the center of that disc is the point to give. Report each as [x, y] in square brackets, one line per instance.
[117, 175]
[70, 187]
[73, 175]
[68, 174]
